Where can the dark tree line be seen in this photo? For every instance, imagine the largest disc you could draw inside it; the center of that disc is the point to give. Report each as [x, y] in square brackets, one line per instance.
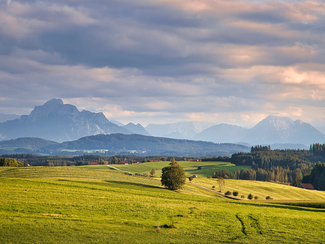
[219, 158]
[318, 149]
[285, 166]
[260, 148]
[316, 176]
[35, 160]
[277, 174]
[10, 162]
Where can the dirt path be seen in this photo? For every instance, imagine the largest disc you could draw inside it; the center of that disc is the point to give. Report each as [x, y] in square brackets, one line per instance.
[206, 188]
[220, 193]
[112, 167]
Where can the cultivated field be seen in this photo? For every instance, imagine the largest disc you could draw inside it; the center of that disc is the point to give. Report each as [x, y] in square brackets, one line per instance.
[82, 205]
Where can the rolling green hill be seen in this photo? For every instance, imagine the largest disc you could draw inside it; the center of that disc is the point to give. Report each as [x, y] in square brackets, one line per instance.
[83, 205]
[191, 168]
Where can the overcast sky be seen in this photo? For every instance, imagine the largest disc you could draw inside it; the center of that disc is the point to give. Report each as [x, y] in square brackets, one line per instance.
[162, 61]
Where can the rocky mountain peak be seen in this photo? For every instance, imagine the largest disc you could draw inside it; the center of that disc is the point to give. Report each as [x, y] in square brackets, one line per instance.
[57, 121]
[54, 101]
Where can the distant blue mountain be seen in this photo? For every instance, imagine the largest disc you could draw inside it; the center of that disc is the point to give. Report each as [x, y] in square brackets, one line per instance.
[136, 129]
[114, 144]
[273, 130]
[58, 122]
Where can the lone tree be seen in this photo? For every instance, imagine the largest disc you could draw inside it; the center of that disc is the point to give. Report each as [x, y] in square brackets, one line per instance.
[173, 176]
[221, 183]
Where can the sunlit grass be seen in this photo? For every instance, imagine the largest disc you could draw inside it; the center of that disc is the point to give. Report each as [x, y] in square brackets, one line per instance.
[80, 205]
[191, 168]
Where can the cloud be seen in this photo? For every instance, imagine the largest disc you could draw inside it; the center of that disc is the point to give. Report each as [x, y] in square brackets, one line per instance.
[172, 60]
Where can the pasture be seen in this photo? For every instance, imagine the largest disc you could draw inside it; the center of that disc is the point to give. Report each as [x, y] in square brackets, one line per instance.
[191, 168]
[84, 205]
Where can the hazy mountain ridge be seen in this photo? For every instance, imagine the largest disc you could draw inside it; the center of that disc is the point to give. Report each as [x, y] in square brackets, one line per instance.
[274, 130]
[6, 117]
[58, 122]
[28, 142]
[222, 133]
[179, 130]
[136, 129]
[147, 145]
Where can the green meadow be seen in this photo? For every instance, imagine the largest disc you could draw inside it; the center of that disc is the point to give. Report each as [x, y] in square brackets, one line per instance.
[191, 168]
[90, 205]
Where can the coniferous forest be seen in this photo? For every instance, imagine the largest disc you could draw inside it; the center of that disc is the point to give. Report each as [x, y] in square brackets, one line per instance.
[284, 166]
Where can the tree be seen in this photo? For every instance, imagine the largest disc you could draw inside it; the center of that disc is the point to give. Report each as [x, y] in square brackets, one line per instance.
[115, 160]
[173, 176]
[152, 172]
[221, 183]
[297, 177]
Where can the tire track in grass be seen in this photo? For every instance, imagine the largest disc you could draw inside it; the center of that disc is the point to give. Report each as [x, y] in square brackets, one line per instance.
[255, 224]
[243, 228]
[250, 224]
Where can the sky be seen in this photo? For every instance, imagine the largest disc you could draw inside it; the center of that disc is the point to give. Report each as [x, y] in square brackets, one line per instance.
[164, 61]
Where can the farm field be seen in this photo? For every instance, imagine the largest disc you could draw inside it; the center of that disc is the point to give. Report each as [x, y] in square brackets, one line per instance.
[191, 168]
[84, 205]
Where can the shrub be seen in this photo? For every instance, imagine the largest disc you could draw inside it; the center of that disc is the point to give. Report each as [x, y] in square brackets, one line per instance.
[213, 187]
[256, 197]
[152, 173]
[242, 196]
[268, 198]
[250, 196]
[235, 193]
[228, 193]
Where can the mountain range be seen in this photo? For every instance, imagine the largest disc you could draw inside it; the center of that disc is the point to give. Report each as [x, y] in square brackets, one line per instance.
[60, 122]
[123, 144]
[179, 130]
[273, 130]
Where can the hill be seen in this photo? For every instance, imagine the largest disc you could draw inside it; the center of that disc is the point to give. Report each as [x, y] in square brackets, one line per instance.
[27, 142]
[74, 205]
[58, 122]
[146, 145]
[207, 168]
[25, 145]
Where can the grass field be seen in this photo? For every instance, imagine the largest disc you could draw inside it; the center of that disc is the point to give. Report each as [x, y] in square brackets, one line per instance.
[191, 168]
[84, 205]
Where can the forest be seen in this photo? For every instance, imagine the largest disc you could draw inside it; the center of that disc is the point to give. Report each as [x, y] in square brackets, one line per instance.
[284, 166]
